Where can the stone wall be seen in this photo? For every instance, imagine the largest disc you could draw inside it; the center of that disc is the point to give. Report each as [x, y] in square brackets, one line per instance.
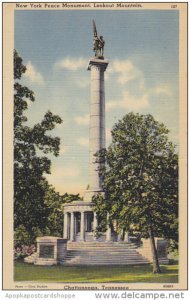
[161, 245]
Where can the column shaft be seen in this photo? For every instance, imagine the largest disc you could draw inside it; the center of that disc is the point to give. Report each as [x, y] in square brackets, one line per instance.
[95, 224]
[65, 226]
[97, 123]
[97, 68]
[82, 227]
[120, 235]
[72, 227]
[126, 237]
[108, 231]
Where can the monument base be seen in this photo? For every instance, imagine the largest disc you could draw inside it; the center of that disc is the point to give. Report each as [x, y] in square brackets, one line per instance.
[89, 194]
[53, 250]
[50, 250]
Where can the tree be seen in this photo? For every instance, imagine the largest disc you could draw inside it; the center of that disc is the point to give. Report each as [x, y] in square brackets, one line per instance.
[31, 211]
[140, 179]
[56, 208]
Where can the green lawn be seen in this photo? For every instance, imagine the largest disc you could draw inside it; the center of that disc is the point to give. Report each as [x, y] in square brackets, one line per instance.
[94, 274]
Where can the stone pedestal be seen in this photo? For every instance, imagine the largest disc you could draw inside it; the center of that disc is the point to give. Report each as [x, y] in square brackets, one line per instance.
[50, 250]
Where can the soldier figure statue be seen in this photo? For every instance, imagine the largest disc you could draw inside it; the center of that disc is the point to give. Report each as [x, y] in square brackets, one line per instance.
[98, 43]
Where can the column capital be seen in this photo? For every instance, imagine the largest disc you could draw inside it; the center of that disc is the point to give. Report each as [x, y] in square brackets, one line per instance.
[98, 63]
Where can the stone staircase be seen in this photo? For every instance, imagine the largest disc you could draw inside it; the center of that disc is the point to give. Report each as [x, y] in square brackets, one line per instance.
[103, 253]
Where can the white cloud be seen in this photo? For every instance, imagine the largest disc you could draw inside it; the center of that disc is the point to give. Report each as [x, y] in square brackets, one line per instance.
[58, 174]
[82, 120]
[111, 104]
[71, 63]
[125, 71]
[83, 82]
[163, 89]
[130, 102]
[33, 74]
[134, 103]
[83, 141]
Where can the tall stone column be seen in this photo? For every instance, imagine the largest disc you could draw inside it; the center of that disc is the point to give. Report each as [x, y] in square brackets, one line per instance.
[65, 226]
[108, 231]
[72, 227]
[95, 224]
[97, 123]
[82, 227]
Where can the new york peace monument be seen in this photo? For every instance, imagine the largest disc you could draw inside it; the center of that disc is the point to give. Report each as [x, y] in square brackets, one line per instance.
[80, 245]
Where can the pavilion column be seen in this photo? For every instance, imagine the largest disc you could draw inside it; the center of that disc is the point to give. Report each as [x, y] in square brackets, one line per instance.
[120, 235]
[65, 225]
[95, 224]
[126, 237]
[72, 227]
[82, 227]
[108, 231]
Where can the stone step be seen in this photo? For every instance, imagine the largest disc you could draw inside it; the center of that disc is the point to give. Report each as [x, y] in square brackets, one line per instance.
[103, 256]
[84, 254]
[105, 246]
[98, 247]
[115, 250]
[45, 263]
[164, 261]
[95, 253]
[101, 253]
[106, 253]
[108, 261]
[100, 244]
[104, 263]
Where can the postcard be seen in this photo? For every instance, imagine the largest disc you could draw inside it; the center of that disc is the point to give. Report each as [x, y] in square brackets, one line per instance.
[94, 146]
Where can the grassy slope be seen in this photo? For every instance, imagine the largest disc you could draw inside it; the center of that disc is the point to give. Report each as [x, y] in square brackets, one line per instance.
[130, 274]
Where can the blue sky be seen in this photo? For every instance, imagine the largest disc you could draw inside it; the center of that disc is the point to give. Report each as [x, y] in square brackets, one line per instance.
[142, 76]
